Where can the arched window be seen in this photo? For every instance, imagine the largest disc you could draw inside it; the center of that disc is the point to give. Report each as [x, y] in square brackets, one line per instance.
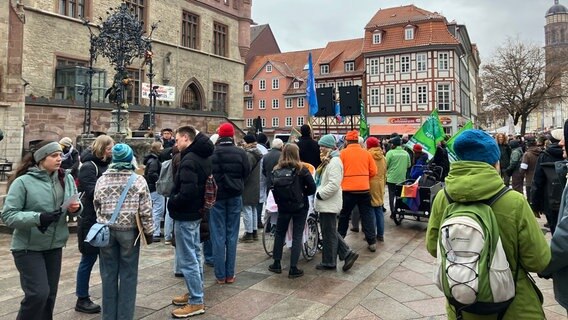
[191, 98]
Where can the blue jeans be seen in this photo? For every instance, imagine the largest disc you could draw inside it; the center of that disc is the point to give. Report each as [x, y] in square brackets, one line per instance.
[380, 218]
[224, 224]
[119, 274]
[208, 252]
[84, 274]
[158, 203]
[168, 223]
[188, 251]
[249, 218]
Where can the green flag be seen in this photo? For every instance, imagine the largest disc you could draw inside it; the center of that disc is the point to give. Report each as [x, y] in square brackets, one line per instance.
[430, 133]
[450, 143]
[363, 128]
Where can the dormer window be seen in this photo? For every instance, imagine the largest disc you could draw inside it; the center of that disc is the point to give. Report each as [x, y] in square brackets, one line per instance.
[268, 68]
[296, 85]
[409, 33]
[324, 69]
[349, 66]
[377, 37]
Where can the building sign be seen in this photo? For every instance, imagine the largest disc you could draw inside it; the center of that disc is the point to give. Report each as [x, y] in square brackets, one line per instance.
[163, 93]
[404, 120]
[445, 120]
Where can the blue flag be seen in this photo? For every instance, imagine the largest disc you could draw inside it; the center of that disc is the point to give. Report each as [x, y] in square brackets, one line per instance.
[311, 88]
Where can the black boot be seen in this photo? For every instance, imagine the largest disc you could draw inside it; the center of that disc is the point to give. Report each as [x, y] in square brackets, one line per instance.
[255, 235]
[294, 272]
[85, 305]
[275, 267]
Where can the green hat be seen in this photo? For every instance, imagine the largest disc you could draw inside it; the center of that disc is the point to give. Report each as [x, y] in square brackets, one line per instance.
[327, 141]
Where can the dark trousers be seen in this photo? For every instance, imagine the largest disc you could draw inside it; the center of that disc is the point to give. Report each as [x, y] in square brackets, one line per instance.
[392, 197]
[552, 219]
[39, 277]
[298, 222]
[333, 243]
[368, 224]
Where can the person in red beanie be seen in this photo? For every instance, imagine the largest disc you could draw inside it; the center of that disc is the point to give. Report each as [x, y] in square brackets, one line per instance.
[231, 167]
[419, 160]
[359, 166]
[377, 185]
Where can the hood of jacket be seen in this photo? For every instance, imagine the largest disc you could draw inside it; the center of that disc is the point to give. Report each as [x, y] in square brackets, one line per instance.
[202, 146]
[472, 181]
[41, 174]
[150, 156]
[534, 151]
[554, 150]
[377, 153]
[89, 156]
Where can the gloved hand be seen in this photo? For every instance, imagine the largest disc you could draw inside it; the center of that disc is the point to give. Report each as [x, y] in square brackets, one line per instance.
[149, 238]
[47, 218]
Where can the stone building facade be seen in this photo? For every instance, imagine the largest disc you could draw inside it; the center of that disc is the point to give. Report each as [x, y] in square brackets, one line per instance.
[198, 49]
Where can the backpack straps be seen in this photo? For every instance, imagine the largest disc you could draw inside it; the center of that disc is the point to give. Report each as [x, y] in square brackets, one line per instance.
[490, 202]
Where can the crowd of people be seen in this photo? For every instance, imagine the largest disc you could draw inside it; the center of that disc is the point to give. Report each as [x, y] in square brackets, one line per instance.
[344, 179]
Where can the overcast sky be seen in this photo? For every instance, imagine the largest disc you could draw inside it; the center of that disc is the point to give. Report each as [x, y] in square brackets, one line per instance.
[304, 24]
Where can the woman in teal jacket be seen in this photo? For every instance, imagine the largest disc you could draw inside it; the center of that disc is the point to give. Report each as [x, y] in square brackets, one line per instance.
[33, 208]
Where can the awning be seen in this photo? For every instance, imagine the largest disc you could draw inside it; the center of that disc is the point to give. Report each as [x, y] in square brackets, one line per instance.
[386, 130]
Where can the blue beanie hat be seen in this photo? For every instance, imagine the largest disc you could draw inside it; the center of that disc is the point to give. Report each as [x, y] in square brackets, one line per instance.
[327, 141]
[121, 153]
[477, 145]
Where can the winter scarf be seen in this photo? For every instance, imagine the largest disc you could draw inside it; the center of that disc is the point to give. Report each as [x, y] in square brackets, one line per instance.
[325, 159]
[122, 166]
[66, 156]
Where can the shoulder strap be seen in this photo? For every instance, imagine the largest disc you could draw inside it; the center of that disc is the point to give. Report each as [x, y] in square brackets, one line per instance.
[96, 168]
[122, 197]
[489, 201]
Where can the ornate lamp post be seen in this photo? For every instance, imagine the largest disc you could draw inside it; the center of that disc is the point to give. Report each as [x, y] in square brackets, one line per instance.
[121, 39]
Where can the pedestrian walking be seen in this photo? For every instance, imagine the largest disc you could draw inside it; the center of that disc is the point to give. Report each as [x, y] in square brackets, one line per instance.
[32, 208]
[328, 203]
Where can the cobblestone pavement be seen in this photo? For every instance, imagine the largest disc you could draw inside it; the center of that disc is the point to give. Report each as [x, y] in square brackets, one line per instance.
[392, 283]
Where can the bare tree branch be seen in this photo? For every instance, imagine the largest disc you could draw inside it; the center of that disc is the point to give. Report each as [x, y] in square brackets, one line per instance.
[518, 81]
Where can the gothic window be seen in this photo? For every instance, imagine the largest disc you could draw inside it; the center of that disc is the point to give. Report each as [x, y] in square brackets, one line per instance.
[72, 8]
[220, 36]
[138, 8]
[190, 30]
[191, 98]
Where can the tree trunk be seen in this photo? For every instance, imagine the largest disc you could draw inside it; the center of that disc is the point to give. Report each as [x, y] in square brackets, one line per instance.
[524, 118]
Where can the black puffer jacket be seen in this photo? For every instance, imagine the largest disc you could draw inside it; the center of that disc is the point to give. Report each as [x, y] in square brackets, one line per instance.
[309, 151]
[91, 169]
[186, 200]
[152, 170]
[230, 168]
[539, 189]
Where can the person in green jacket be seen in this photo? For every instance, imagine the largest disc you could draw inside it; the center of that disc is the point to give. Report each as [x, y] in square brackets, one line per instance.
[476, 177]
[34, 209]
[398, 162]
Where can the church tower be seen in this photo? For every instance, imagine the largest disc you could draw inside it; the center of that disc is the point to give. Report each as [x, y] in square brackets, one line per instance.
[556, 31]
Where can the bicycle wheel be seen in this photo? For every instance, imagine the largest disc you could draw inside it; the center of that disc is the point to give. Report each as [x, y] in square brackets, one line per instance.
[311, 245]
[268, 237]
